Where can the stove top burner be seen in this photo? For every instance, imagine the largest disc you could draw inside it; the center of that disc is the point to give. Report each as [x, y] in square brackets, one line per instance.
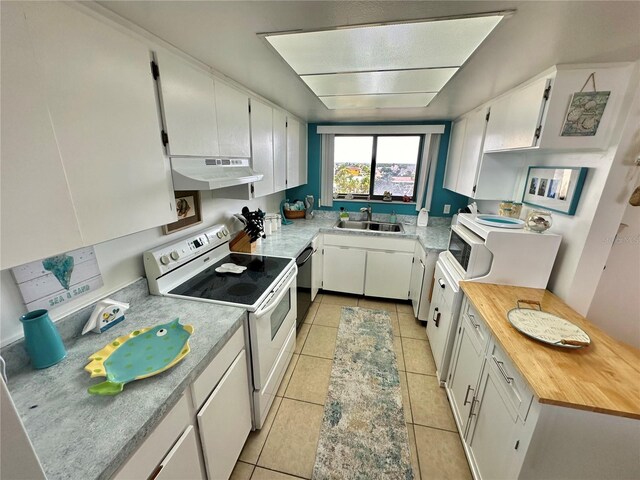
[243, 289]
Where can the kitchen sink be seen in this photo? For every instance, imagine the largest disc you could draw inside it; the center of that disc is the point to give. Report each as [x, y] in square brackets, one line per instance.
[371, 226]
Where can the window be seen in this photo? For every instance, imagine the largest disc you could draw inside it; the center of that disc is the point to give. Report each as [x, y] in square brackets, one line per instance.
[367, 166]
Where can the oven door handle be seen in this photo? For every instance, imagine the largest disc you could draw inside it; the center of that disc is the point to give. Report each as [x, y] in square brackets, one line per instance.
[273, 303]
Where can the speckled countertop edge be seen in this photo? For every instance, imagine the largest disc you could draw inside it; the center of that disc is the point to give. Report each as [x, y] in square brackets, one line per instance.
[81, 436]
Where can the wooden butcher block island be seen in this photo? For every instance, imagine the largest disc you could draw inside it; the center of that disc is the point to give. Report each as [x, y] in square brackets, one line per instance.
[526, 409]
[603, 377]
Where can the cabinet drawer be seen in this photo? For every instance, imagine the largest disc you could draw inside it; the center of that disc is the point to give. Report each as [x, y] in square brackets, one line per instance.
[514, 386]
[143, 462]
[209, 378]
[480, 334]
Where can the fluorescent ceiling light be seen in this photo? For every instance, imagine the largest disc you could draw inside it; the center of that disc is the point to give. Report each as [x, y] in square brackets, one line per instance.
[395, 100]
[394, 81]
[403, 58]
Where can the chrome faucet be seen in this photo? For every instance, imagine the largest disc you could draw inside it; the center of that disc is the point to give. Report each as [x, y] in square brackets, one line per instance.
[367, 210]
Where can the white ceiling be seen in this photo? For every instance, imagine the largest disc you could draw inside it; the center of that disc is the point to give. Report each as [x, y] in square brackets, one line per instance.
[540, 34]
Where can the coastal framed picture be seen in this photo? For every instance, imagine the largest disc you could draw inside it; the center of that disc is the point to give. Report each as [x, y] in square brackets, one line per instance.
[188, 209]
[554, 188]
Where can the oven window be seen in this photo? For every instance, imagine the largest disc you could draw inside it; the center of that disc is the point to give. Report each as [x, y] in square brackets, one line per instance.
[280, 313]
[460, 250]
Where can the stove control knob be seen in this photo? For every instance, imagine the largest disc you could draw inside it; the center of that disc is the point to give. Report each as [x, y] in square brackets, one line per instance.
[164, 259]
[219, 234]
[175, 255]
[225, 232]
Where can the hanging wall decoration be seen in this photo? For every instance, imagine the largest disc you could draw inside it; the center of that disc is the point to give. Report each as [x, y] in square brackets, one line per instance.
[554, 188]
[585, 111]
[188, 209]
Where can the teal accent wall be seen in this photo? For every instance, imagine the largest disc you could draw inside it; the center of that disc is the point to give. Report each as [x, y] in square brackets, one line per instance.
[440, 195]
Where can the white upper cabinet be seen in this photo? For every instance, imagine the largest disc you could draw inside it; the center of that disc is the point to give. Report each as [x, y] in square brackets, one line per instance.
[36, 202]
[293, 153]
[516, 118]
[303, 172]
[262, 146]
[188, 103]
[232, 111]
[279, 150]
[465, 152]
[99, 93]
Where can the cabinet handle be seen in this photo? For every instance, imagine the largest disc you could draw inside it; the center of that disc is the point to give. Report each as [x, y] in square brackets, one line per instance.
[500, 364]
[472, 318]
[466, 395]
[473, 405]
[441, 283]
[436, 317]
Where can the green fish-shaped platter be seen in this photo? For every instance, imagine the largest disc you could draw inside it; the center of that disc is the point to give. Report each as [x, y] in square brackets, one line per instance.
[141, 354]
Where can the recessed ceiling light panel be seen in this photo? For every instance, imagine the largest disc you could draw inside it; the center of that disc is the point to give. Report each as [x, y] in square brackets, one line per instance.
[375, 66]
[394, 81]
[396, 100]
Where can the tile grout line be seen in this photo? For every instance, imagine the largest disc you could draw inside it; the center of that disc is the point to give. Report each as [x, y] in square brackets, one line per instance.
[437, 428]
[415, 439]
[280, 471]
[268, 433]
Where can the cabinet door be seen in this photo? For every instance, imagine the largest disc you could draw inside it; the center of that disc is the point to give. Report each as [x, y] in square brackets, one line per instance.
[415, 289]
[439, 321]
[343, 269]
[388, 274]
[293, 153]
[279, 150]
[493, 432]
[465, 372]
[188, 106]
[183, 461]
[232, 114]
[35, 197]
[262, 146]
[515, 118]
[302, 174]
[102, 103]
[316, 267]
[471, 152]
[225, 420]
[455, 151]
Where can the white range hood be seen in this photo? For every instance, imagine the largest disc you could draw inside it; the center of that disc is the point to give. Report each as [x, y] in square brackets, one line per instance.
[211, 173]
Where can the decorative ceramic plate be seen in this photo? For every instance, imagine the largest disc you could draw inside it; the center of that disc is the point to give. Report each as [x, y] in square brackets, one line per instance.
[548, 328]
[499, 221]
[141, 354]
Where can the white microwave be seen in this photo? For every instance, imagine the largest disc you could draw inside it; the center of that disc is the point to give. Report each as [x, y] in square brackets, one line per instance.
[467, 253]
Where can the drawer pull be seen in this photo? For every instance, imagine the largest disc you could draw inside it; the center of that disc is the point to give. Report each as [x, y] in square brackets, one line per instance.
[473, 404]
[500, 364]
[436, 317]
[441, 283]
[466, 395]
[472, 318]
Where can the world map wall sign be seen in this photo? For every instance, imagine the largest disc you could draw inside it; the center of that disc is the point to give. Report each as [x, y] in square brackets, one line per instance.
[56, 280]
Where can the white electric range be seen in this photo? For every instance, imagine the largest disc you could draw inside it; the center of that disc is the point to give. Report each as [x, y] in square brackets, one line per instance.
[186, 268]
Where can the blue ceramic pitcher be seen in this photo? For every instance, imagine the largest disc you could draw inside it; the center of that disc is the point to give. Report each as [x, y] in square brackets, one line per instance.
[41, 339]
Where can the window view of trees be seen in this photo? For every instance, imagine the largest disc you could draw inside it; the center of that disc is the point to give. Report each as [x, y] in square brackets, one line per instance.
[396, 163]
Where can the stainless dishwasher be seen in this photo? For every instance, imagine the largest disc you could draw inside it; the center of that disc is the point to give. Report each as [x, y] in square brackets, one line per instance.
[303, 290]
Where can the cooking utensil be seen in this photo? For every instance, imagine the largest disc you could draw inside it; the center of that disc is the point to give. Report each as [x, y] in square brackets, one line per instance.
[546, 327]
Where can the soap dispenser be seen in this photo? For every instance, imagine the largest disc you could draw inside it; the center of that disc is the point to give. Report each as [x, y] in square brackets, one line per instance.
[343, 215]
[393, 218]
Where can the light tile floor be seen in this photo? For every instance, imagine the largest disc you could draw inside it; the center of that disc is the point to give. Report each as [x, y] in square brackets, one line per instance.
[285, 448]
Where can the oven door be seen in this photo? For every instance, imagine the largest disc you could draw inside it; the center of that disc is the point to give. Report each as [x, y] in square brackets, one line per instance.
[269, 327]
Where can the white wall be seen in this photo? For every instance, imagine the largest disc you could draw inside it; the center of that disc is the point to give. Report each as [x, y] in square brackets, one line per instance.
[617, 296]
[120, 261]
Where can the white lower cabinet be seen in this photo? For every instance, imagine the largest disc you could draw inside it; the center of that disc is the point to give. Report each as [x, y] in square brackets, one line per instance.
[225, 420]
[183, 461]
[493, 438]
[343, 269]
[388, 274]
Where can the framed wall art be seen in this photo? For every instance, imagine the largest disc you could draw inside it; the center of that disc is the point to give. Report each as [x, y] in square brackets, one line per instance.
[554, 188]
[585, 111]
[188, 209]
